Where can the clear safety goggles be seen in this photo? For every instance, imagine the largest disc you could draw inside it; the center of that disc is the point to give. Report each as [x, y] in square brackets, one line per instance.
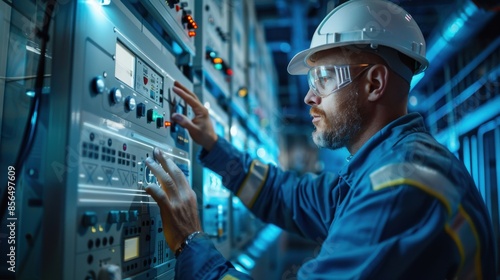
[327, 79]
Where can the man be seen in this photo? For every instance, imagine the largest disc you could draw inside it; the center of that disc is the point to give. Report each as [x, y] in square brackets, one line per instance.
[402, 207]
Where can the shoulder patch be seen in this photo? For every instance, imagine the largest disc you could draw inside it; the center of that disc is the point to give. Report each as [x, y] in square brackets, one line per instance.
[421, 177]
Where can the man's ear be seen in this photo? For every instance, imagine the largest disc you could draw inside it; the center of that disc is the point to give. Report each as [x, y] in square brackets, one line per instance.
[377, 79]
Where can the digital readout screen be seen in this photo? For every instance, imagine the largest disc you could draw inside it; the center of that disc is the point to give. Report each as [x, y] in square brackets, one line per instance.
[131, 248]
[124, 65]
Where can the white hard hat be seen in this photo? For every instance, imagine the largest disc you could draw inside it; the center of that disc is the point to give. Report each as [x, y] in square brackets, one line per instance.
[365, 22]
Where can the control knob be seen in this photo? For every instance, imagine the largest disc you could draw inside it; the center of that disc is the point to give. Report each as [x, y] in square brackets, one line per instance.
[98, 86]
[130, 103]
[115, 95]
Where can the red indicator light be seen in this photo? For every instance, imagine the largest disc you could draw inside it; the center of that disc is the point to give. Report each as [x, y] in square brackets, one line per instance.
[229, 71]
[177, 8]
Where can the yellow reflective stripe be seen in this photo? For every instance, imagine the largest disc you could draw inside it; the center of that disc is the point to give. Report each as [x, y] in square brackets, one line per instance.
[229, 277]
[420, 177]
[463, 227]
[459, 225]
[251, 186]
[405, 181]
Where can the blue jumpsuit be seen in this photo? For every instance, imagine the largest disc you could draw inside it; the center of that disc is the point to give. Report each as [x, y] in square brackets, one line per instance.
[403, 207]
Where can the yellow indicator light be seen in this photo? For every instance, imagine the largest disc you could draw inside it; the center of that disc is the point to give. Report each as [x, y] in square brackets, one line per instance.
[101, 229]
[93, 230]
[167, 123]
[242, 92]
[217, 60]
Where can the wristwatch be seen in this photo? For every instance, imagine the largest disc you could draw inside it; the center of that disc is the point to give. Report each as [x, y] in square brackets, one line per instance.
[186, 242]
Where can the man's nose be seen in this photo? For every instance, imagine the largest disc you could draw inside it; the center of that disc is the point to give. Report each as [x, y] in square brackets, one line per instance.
[311, 99]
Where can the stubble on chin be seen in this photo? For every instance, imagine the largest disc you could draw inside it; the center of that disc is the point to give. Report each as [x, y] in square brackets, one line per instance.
[338, 129]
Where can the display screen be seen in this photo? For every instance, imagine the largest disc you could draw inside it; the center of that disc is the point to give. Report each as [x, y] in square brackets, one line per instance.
[131, 249]
[124, 65]
[148, 82]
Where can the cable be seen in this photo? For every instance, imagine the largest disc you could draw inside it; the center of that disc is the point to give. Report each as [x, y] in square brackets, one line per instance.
[32, 122]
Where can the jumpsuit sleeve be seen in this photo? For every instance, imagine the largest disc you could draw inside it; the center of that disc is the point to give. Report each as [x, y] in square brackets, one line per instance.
[200, 260]
[379, 236]
[303, 205]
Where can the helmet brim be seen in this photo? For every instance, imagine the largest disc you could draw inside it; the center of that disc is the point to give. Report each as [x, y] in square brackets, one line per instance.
[299, 63]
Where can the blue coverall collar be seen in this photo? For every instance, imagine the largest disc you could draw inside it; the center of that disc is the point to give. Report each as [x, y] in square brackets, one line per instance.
[395, 130]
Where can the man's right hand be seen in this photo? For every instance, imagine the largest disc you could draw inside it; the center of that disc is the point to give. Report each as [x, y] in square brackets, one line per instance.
[200, 127]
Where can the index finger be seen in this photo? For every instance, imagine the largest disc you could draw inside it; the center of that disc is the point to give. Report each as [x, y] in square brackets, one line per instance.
[172, 169]
[188, 96]
[185, 89]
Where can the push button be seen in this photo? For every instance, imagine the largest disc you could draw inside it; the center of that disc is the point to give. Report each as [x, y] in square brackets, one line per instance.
[89, 219]
[141, 110]
[159, 122]
[124, 216]
[113, 217]
[150, 115]
[134, 215]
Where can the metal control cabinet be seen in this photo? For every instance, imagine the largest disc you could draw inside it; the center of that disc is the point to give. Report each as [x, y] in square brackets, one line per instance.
[108, 104]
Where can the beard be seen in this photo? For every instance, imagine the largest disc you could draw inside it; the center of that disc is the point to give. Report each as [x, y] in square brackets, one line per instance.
[337, 129]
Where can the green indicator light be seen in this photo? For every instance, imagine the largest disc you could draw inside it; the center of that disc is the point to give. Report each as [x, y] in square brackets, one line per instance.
[156, 115]
[218, 66]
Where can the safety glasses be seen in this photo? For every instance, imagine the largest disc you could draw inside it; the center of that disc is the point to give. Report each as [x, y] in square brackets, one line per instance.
[327, 79]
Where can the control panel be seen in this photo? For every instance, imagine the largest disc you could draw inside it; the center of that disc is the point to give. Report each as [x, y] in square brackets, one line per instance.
[174, 16]
[107, 102]
[119, 103]
[216, 202]
[212, 56]
[117, 221]
[125, 112]
[238, 54]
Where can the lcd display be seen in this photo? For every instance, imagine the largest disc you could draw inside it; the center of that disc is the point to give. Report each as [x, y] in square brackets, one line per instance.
[131, 248]
[148, 82]
[124, 65]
